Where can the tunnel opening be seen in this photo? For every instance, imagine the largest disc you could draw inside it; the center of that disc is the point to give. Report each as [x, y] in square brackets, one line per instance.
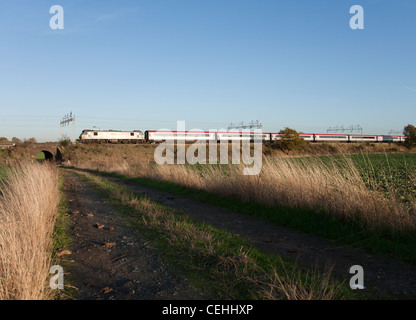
[44, 155]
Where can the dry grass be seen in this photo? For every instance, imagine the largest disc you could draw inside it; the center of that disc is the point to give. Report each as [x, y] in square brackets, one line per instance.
[295, 285]
[28, 205]
[284, 181]
[114, 154]
[336, 189]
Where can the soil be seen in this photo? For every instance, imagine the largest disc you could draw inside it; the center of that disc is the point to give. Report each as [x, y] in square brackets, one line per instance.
[136, 271]
[108, 259]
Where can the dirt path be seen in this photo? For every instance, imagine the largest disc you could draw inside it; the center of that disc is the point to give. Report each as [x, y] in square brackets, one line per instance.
[108, 259]
[383, 275]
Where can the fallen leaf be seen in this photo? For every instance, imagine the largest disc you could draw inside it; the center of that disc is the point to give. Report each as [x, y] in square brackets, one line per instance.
[106, 290]
[64, 253]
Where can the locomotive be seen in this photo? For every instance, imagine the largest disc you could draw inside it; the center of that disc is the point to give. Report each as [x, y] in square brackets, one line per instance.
[111, 136]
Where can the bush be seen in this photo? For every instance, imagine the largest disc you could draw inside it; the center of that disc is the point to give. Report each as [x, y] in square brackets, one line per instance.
[65, 141]
[290, 140]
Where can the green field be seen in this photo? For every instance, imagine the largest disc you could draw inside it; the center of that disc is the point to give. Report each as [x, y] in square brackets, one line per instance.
[390, 173]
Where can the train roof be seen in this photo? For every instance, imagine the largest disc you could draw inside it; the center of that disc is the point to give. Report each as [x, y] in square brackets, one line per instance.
[110, 130]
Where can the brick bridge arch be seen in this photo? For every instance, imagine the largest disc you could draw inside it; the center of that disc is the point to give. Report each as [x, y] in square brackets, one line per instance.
[50, 149]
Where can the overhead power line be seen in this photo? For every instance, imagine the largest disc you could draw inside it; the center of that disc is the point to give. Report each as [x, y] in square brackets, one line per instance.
[252, 125]
[66, 120]
[350, 129]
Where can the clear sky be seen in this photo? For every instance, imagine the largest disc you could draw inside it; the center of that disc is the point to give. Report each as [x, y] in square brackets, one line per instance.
[145, 64]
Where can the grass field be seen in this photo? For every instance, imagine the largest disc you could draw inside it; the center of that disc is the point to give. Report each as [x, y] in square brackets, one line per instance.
[366, 198]
[362, 199]
[346, 185]
[389, 172]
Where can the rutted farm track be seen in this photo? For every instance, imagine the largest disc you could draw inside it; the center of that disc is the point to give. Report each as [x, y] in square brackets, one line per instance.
[111, 260]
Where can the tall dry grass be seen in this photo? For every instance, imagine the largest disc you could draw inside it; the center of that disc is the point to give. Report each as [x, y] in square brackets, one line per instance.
[29, 198]
[284, 181]
[336, 188]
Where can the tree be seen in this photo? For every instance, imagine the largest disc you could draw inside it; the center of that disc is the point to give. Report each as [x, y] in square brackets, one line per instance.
[16, 140]
[31, 140]
[290, 140]
[410, 134]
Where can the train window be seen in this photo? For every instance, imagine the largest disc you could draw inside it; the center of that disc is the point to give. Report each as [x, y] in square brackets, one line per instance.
[132, 133]
[332, 137]
[363, 137]
[95, 133]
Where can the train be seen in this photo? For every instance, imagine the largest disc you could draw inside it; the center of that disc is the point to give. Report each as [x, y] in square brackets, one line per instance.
[154, 136]
[111, 136]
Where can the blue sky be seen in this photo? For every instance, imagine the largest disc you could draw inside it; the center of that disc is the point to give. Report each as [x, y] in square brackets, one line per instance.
[136, 64]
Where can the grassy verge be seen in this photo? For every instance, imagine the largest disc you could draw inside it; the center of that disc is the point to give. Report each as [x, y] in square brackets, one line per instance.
[62, 240]
[226, 266]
